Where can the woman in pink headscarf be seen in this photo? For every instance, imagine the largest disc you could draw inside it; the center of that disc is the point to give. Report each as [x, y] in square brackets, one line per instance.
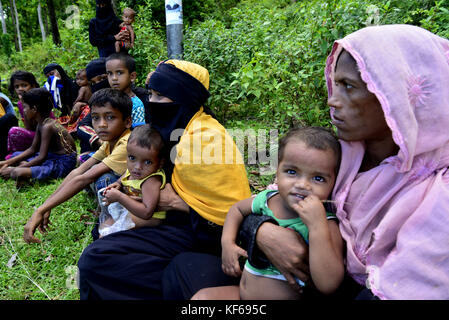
[389, 99]
[388, 89]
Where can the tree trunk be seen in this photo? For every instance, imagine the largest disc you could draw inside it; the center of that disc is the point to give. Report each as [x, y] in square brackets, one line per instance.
[41, 25]
[53, 22]
[19, 40]
[2, 17]
[12, 22]
[47, 28]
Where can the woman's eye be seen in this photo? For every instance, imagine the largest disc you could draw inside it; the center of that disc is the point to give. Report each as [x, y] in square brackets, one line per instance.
[110, 117]
[131, 157]
[348, 86]
[290, 171]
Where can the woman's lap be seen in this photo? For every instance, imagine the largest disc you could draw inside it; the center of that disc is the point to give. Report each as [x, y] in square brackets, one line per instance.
[130, 264]
[189, 272]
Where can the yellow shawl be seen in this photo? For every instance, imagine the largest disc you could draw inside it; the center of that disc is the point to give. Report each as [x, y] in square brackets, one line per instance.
[209, 173]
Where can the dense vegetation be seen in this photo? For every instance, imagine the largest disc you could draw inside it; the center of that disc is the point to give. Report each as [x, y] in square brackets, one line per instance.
[266, 61]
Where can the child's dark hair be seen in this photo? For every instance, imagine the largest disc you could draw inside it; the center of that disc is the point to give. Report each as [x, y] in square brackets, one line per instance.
[314, 137]
[40, 99]
[118, 100]
[147, 137]
[24, 76]
[129, 61]
[80, 71]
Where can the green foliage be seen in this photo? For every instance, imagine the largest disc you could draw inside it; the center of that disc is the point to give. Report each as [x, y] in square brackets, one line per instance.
[267, 60]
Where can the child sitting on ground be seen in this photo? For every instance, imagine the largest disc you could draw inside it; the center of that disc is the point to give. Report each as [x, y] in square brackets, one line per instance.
[21, 138]
[128, 19]
[111, 119]
[84, 94]
[143, 179]
[52, 153]
[121, 70]
[306, 173]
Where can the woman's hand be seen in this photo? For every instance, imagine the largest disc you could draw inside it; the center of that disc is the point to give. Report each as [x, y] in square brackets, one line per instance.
[286, 250]
[169, 200]
[122, 35]
[230, 259]
[37, 220]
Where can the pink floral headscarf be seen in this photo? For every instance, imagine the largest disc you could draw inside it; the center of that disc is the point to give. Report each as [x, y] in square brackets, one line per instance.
[395, 217]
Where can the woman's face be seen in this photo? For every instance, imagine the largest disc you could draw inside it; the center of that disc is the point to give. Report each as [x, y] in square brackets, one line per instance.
[55, 73]
[158, 98]
[355, 111]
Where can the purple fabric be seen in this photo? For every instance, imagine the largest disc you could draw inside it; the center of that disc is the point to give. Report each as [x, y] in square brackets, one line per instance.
[395, 217]
[19, 139]
[55, 165]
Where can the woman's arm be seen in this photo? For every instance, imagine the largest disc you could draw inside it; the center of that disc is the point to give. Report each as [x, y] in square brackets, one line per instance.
[170, 200]
[286, 250]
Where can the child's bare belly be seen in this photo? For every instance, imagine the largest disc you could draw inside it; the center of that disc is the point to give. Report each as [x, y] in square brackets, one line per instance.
[253, 287]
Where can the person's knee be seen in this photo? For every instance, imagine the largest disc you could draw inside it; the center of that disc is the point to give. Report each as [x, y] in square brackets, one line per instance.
[201, 295]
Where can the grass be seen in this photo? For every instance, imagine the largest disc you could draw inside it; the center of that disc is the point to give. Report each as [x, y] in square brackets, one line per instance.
[45, 271]
[41, 271]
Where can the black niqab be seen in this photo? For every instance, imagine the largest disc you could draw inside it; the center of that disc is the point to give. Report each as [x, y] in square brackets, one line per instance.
[105, 21]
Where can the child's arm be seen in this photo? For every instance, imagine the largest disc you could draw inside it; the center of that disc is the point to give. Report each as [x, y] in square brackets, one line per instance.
[325, 245]
[79, 178]
[231, 251]
[150, 198]
[82, 95]
[44, 135]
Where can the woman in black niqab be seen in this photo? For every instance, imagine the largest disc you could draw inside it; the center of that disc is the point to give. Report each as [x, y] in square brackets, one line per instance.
[104, 29]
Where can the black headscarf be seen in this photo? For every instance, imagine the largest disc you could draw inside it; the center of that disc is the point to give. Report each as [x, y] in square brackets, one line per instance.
[188, 95]
[95, 68]
[69, 91]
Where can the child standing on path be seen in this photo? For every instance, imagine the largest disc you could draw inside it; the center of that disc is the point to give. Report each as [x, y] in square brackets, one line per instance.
[307, 169]
[144, 178]
[128, 19]
[52, 153]
[111, 119]
[121, 70]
